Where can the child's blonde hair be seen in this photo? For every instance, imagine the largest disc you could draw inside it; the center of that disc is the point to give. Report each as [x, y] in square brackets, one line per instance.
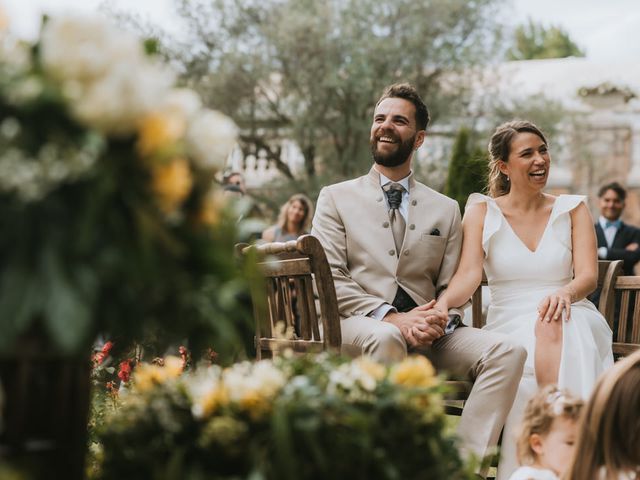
[608, 443]
[547, 405]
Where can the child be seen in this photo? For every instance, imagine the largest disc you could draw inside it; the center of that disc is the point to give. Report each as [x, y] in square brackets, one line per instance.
[608, 446]
[547, 435]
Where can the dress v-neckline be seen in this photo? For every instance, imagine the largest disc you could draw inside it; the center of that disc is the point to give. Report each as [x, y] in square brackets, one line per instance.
[544, 233]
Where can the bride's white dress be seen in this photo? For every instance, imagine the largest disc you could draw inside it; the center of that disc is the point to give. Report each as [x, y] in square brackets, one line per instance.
[518, 280]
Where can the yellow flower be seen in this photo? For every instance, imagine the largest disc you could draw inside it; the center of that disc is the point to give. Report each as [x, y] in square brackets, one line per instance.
[371, 368]
[146, 375]
[255, 403]
[211, 209]
[212, 400]
[414, 371]
[158, 131]
[171, 183]
[173, 366]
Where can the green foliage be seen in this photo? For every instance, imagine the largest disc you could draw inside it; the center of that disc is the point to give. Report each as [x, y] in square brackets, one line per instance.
[549, 115]
[468, 169]
[297, 418]
[534, 41]
[311, 71]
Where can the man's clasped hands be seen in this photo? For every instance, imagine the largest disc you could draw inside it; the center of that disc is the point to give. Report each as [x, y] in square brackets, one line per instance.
[422, 325]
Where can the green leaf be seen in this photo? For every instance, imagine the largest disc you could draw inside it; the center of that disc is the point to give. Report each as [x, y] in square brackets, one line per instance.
[67, 313]
[20, 301]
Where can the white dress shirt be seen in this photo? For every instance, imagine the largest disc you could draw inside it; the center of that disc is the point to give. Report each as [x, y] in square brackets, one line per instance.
[609, 235]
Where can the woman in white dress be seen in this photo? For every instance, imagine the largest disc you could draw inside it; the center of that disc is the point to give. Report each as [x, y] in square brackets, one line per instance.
[539, 255]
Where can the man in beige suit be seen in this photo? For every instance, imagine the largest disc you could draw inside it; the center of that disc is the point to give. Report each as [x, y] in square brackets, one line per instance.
[393, 245]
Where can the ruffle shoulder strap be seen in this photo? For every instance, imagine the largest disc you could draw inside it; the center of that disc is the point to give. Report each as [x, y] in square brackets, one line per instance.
[560, 217]
[492, 220]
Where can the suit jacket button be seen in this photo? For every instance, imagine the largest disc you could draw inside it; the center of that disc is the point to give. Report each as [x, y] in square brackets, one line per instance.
[385, 224]
[406, 252]
[392, 252]
[412, 227]
[414, 202]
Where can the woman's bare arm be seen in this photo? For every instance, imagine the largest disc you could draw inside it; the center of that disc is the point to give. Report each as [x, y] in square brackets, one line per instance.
[469, 273]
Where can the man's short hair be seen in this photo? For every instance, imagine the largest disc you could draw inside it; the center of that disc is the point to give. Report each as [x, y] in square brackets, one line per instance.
[408, 92]
[616, 187]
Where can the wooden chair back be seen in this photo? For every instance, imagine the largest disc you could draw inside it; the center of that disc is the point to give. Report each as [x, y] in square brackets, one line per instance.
[287, 303]
[627, 337]
[608, 272]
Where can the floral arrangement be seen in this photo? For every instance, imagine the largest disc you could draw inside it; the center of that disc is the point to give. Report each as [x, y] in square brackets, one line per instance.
[110, 217]
[290, 418]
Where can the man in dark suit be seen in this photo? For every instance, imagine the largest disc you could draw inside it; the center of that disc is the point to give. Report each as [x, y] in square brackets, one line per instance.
[616, 240]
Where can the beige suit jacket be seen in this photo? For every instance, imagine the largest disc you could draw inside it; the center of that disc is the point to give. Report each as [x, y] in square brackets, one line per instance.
[352, 223]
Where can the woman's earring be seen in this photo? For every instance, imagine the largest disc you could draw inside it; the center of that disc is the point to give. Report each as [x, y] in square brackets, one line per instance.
[507, 178]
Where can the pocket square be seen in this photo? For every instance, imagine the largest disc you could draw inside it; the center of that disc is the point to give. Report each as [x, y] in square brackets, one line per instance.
[435, 232]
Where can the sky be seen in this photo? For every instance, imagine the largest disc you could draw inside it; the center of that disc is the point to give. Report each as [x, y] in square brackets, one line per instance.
[607, 30]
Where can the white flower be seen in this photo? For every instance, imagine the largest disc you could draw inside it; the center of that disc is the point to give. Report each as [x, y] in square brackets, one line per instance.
[353, 378]
[245, 379]
[210, 138]
[181, 102]
[85, 48]
[117, 103]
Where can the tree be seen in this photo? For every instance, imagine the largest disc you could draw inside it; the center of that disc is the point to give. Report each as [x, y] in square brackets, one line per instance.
[532, 41]
[311, 71]
[468, 169]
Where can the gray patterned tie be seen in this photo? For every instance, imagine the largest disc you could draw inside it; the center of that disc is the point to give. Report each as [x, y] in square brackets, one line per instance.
[394, 196]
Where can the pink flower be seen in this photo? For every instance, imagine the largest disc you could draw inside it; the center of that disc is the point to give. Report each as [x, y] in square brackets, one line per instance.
[125, 370]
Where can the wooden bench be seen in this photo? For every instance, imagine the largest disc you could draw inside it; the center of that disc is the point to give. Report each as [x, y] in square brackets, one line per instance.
[627, 337]
[285, 305]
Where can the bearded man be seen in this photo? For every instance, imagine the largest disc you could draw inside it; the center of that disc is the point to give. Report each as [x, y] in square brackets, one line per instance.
[393, 244]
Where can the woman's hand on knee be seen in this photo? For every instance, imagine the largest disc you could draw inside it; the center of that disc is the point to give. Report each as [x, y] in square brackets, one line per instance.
[552, 306]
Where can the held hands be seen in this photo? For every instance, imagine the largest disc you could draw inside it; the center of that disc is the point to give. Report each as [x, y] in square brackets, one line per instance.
[551, 306]
[632, 247]
[421, 325]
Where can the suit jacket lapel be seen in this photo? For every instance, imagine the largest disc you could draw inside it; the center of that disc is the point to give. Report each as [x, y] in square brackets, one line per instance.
[620, 240]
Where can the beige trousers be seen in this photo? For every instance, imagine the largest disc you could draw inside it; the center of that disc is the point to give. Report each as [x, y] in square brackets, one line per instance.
[491, 360]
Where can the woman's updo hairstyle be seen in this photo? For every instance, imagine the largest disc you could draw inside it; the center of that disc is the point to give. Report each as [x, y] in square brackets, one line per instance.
[499, 148]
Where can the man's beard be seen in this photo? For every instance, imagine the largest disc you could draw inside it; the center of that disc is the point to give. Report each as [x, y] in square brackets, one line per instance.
[393, 159]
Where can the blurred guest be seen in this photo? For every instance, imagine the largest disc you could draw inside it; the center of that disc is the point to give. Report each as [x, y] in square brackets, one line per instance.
[294, 220]
[608, 446]
[235, 179]
[616, 240]
[232, 191]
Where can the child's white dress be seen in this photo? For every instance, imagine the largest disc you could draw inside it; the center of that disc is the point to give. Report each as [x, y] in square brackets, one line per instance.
[533, 473]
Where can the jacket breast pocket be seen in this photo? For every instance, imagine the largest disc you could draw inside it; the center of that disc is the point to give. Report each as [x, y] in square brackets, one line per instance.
[432, 246]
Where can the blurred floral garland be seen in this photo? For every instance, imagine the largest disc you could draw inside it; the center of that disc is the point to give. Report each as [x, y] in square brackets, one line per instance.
[110, 216]
[290, 418]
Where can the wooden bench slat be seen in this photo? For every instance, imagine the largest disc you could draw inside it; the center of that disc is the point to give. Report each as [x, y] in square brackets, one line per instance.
[624, 349]
[624, 314]
[286, 268]
[298, 346]
[635, 325]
